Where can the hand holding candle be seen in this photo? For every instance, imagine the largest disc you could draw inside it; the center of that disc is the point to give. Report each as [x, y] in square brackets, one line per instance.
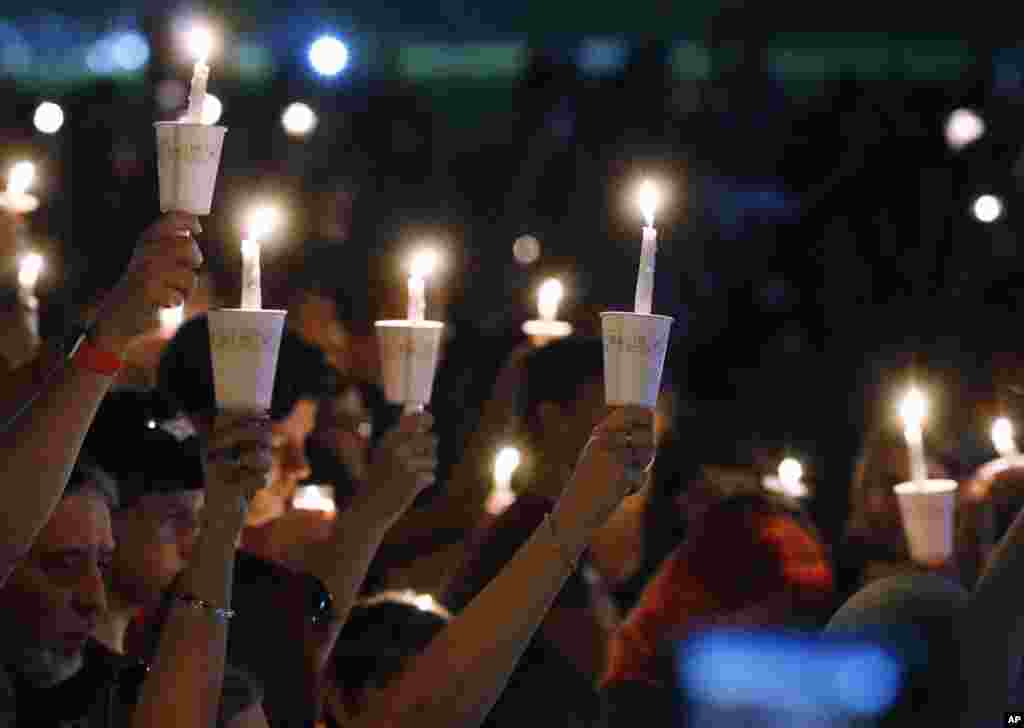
[648, 199]
[200, 42]
[913, 410]
[262, 221]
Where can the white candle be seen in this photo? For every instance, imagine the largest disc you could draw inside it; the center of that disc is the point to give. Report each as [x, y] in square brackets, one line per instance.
[200, 43]
[502, 496]
[252, 292]
[1002, 437]
[913, 410]
[648, 199]
[549, 296]
[421, 266]
[262, 222]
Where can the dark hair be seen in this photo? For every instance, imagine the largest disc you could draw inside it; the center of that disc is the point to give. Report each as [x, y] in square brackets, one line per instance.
[381, 633]
[555, 372]
[134, 439]
[185, 375]
[87, 476]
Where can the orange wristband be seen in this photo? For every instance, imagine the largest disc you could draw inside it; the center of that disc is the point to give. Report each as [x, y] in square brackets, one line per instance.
[97, 360]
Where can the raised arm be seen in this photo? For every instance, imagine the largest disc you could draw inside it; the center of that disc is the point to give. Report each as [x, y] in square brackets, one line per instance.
[457, 680]
[184, 684]
[47, 416]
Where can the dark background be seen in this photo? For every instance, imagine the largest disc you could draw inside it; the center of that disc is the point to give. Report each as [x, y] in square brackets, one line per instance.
[817, 248]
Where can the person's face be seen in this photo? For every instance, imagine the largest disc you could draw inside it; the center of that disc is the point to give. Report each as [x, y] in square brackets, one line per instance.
[155, 538]
[54, 598]
[290, 465]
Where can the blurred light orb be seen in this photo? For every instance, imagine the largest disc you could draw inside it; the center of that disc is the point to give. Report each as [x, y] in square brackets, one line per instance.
[328, 55]
[212, 110]
[48, 118]
[526, 249]
[964, 127]
[987, 208]
[130, 51]
[298, 119]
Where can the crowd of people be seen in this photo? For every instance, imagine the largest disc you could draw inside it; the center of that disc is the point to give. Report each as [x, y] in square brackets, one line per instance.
[157, 566]
[158, 571]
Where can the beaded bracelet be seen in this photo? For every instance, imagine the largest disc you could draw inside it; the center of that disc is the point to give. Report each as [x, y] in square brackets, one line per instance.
[195, 604]
[567, 557]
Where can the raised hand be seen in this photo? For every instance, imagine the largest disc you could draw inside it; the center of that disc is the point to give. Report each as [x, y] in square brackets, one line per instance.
[237, 460]
[404, 462]
[162, 273]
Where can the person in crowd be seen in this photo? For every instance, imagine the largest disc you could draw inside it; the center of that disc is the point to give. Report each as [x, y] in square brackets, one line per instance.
[919, 619]
[752, 559]
[157, 465]
[989, 501]
[56, 674]
[47, 406]
[874, 544]
[456, 680]
[289, 661]
[383, 631]
[562, 400]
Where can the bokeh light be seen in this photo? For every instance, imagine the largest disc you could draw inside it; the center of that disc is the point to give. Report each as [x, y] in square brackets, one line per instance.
[987, 208]
[212, 110]
[48, 118]
[299, 119]
[526, 249]
[328, 55]
[964, 127]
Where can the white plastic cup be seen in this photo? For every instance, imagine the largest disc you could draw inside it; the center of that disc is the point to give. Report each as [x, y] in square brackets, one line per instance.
[928, 509]
[409, 352]
[188, 158]
[634, 356]
[244, 345]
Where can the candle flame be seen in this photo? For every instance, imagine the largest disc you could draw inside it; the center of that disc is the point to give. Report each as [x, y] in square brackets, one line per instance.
[423, 263]
[425, 603]
[1002, 437]
[913, 410]
[791, 472]
[505, 464]
[314, 498]
[200, 43]
[21, 177]
[648, 197]
[262, 221]
[29, 270]
[549, 296]
[172, 318]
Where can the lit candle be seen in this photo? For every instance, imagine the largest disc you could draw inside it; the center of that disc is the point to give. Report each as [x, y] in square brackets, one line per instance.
[913, 410]
[1002, 437]
[549, 296]
[171, 319]
[29, 269]
[314, 498]
[200, 42]
[261, 223]
[421, 266]
[501, 496]
[648, 199]
[16, 197]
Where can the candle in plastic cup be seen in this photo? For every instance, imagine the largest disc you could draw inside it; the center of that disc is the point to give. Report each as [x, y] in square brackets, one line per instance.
[188, 159]
[244, 345]
[409, 352]
[928, 510]
[634, 356]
